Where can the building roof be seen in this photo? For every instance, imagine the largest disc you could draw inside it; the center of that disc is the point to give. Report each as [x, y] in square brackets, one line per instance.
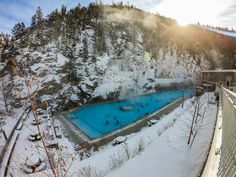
[219, 71]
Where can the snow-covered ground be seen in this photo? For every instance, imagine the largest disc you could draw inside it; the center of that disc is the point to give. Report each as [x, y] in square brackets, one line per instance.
[159, 150]
[164, 145]
[26, 149]
[7, 120]
[214, 156]
[169, 155]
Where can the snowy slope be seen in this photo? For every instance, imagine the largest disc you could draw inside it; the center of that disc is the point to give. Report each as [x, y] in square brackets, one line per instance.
[68, 78]
[103, 58]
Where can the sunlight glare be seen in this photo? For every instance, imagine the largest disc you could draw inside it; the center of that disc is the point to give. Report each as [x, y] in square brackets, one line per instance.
[183, 22]
[191, 11]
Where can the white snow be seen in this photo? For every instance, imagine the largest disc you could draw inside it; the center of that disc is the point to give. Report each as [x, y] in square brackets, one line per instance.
[61, 59]
[213, 160]
[46, 97]
[74, 97]
[102, 62]
[105, 89]
[25, 148]
[164, 150]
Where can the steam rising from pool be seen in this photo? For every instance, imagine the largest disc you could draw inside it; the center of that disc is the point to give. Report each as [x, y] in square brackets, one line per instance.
[97, 120]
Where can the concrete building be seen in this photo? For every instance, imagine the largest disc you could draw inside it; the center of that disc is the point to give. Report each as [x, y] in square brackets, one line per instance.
[224, 77]
[219, 77]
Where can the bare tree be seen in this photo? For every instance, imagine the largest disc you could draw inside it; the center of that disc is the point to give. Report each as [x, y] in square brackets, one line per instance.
[197, 118]
[193, 120]
[33, 104]
[1, 128]
[192, 124]
[5, 95]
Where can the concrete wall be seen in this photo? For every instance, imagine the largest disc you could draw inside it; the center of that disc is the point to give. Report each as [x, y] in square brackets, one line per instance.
[221, 77]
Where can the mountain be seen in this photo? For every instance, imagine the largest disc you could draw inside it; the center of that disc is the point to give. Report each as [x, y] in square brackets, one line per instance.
[103, 52]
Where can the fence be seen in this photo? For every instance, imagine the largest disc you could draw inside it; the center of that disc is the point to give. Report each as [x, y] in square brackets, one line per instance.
[227, 165]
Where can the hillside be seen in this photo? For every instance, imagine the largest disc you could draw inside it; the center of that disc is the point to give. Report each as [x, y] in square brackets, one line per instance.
[105, 52]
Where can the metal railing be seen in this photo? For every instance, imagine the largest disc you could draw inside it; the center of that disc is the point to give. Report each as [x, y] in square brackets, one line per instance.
[227, 165]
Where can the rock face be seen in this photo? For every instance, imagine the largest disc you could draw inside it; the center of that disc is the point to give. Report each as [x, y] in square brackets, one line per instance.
[101, 52]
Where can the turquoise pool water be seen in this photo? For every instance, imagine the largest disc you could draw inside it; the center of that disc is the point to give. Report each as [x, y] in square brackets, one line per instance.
[99, 119]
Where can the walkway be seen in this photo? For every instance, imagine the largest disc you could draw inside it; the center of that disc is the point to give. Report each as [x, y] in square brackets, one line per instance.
[221, 159]
[212, 164]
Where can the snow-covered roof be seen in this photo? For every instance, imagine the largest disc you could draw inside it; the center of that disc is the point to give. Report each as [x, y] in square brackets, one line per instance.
[219, 71]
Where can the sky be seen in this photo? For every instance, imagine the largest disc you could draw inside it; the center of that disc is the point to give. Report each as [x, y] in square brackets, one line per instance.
[213, 12]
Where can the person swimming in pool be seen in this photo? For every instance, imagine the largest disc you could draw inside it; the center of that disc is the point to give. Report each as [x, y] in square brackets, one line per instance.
[117, 122]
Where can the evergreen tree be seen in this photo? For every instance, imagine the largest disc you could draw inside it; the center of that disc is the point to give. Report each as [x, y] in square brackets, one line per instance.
[39, 15]
[99, 39]
[85, 48]
[33, 20]
[54, 16]
[37, 18]
[93, 11]
[63, 10]
[18, 30]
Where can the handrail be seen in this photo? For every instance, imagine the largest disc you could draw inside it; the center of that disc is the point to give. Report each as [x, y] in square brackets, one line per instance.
[227, 166]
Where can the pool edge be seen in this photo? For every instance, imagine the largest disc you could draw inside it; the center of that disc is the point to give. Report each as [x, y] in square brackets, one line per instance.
[128, 129]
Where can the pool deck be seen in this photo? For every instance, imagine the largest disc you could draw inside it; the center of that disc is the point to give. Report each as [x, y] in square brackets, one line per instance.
[76, 136]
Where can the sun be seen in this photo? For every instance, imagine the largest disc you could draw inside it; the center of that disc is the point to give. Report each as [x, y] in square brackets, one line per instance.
[183, 22]
[191, 11]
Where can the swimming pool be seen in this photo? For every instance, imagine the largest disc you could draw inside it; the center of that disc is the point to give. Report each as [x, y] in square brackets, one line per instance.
[99, 119]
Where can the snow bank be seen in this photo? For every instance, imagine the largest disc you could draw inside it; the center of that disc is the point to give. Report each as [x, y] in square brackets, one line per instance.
[106, 88]
[61, 59]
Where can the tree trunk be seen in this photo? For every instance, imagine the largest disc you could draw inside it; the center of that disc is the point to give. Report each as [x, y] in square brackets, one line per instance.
[191, 128]
[4, 96]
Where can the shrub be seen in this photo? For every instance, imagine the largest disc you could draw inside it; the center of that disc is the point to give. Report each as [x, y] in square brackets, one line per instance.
[116, 160]
[127, 151]
[89, 171]
[141, 146]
